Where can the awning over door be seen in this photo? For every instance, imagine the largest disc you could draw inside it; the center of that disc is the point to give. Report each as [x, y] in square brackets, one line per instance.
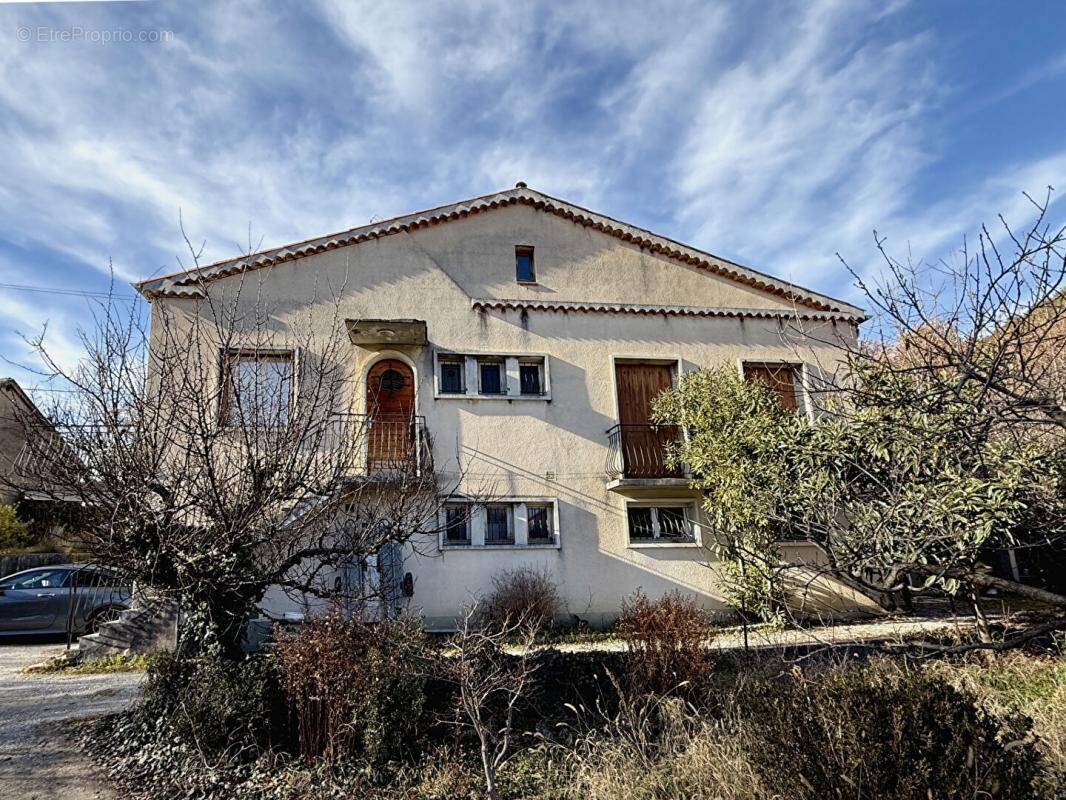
[381, 333]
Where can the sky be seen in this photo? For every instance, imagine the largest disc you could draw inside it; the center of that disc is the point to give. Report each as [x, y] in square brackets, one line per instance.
[776, 134]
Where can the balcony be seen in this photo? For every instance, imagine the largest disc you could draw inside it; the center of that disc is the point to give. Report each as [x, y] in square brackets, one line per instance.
[636, 458]
[387, 446]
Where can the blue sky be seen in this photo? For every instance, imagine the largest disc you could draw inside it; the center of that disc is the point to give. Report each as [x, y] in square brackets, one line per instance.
[776, 134]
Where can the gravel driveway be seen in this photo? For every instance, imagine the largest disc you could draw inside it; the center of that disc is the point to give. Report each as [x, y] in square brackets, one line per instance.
[36, 761]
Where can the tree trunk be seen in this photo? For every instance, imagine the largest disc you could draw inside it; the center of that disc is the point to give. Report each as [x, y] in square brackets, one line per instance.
[490, 771]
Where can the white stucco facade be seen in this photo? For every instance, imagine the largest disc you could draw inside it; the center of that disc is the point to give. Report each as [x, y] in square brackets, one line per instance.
[598, 300]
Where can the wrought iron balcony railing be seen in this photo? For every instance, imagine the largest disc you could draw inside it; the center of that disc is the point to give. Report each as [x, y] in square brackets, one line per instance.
[388, 443]
[639, 451]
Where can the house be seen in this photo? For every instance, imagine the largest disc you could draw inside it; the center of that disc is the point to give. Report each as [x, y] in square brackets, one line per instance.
[528, 336]
[18, 416]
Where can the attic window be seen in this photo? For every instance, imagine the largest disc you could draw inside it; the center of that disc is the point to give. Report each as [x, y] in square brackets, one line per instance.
[525, 271]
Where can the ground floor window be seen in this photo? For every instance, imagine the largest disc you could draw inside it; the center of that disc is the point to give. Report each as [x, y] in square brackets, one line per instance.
[504, 522]
[457, 524]
[651, 523]
[540, 520]
[499, 524]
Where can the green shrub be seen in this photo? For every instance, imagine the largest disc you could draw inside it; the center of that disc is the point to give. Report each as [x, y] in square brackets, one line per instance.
[214, 704]
[14, 533]
[883, 732]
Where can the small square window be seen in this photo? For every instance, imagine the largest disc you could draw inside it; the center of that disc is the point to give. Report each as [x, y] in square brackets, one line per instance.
[257, 388]
[539, 519]
[452, 376]
[530, 377]
[490, 377]
[525, 271]
[456, 524]
[499, 525]
[782, 378]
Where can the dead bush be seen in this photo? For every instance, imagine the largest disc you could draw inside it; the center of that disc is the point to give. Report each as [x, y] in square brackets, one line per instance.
[522, 596]
[667, 640]
[354, 688]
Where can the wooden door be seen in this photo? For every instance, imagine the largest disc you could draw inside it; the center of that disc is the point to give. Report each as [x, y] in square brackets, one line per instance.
[390, 405]
[643, 443]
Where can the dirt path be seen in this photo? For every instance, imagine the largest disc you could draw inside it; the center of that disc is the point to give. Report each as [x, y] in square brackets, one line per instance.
[37, 761]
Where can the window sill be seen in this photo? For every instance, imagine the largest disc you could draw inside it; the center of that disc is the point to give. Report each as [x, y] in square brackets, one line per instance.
[652, 545]
[456, 396]
[461, 547]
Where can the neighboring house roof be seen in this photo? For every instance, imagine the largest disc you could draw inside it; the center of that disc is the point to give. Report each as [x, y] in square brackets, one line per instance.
[189, 283]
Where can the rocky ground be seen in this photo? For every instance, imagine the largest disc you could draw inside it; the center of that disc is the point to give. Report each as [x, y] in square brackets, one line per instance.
[37, 760]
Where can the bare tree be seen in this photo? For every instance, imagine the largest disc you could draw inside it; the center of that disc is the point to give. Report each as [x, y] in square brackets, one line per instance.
[987, 327]
[490, 683]
[218, 450]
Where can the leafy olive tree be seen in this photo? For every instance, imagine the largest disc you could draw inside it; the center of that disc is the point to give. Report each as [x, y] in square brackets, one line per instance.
[897, 487]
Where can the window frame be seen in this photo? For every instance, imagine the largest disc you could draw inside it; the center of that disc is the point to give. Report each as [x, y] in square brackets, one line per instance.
[692, 517]
[799, 377]
[229, 357]
[517, 520]
[549, 517]
[521, 250]
[510, 375]
[501, 371]
[460, 362]
[465, 508]
[509, 510]
[538, 365]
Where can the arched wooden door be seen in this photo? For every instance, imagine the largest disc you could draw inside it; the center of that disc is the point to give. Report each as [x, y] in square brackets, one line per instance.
[390, 405]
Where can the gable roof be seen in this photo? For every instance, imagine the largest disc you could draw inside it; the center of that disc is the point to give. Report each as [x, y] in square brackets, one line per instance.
[190, 283]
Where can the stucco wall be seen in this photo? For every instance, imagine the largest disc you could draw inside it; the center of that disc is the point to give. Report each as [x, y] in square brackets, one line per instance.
[511, 447]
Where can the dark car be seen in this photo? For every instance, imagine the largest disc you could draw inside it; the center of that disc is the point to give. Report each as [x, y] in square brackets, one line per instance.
[74, 597]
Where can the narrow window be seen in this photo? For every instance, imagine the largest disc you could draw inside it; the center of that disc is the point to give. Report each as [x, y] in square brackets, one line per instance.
[499, 525]
[257, 389]
[490, 377]
[456, 524]
[530, 377]
[525, 271]
[640, 524]
[779, 377]
[539, 518]
[452, 376]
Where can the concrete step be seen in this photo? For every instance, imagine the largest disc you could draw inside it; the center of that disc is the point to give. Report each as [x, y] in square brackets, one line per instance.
[147, 628]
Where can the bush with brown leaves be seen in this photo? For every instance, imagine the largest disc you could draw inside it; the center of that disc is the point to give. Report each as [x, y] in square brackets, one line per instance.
[667, 641]
[522, 596]
[355, 688]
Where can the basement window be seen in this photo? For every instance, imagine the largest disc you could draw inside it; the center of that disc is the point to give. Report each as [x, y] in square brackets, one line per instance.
[525, 270]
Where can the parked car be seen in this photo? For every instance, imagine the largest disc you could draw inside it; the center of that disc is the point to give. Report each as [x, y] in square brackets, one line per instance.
[78, 597]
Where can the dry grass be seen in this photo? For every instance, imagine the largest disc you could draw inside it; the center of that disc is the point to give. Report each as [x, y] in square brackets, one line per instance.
[1019, 682]
[661, 749]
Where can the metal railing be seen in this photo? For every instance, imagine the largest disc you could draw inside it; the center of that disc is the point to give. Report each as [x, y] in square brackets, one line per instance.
[388, 443]
[639, 451]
